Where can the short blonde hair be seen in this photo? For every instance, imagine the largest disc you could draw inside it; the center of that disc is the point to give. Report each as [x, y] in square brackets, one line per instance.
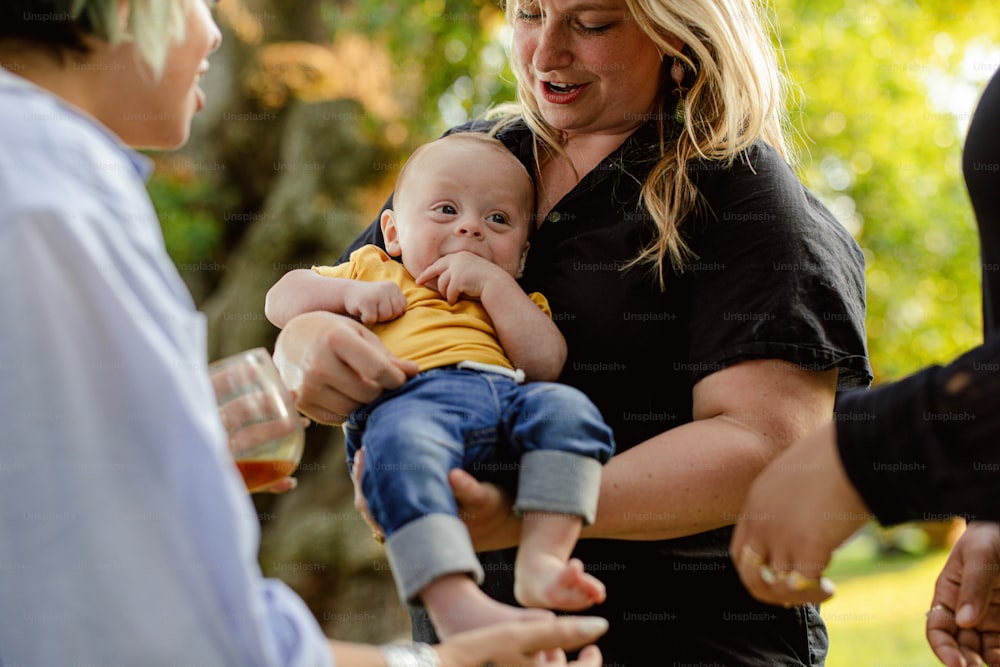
[65, 25]
[736, 96]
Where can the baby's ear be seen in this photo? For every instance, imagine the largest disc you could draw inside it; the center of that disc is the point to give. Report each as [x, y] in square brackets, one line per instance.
[523, 260]
[390, 233]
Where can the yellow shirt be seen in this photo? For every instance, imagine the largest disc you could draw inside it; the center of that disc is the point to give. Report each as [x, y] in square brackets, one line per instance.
[432, 332]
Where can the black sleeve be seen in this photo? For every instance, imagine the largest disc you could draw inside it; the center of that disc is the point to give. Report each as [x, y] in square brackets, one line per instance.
[981, 168]
[928, 445]
[782, 278]
[372, 235]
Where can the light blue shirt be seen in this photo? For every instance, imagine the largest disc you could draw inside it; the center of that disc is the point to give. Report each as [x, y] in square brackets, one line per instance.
[126, 535]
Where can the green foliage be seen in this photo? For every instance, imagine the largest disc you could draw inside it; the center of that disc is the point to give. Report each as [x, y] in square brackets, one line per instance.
[450, 64]
[877, 124]
[189, 207]
[191, 231]
[876, 616]
[886, 89]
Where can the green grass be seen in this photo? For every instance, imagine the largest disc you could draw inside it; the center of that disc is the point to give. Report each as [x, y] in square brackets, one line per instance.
[876, 616]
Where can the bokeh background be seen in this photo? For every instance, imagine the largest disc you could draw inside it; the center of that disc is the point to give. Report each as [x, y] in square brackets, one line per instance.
[314, 104]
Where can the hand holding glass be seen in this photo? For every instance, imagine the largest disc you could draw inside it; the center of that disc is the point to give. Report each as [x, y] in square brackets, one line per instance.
[266, 435]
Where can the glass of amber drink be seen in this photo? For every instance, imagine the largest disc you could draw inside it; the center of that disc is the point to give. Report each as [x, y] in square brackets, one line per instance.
[266, 435]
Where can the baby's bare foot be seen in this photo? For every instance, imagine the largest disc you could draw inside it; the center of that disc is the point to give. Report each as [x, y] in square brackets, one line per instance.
[547, 582]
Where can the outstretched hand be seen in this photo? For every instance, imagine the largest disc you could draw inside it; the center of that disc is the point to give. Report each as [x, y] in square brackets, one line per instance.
[526, 643]
[963, 624]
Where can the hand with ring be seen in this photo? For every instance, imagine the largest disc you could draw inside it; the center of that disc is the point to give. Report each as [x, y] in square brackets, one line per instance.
[963, 623]
[797, 512]
[793, 580]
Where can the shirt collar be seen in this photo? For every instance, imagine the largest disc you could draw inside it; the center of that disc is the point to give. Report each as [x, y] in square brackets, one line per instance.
[641, 146]
[18, 85]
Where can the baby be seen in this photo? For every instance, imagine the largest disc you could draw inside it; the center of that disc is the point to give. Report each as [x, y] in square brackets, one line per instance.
[463, 212]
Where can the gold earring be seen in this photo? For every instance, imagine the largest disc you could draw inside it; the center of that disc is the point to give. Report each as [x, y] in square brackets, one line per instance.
[677, 71]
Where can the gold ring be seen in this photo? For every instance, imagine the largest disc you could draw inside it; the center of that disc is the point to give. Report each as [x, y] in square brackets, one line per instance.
[798, 582]
[936, 608]
[748, 555]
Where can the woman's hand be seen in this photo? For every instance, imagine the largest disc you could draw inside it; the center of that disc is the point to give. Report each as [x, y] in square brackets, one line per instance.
[798, 510]
[525, 643]
[963, 624]
[241, 415]
[484, 507]
[486, 510]
[360, 503]
[335, 365]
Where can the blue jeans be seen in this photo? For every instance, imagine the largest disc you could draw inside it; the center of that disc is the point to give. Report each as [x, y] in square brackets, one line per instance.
[445, 418]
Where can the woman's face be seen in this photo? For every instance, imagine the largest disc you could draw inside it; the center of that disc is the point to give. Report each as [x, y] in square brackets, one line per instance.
[587, 63]
[158, 113]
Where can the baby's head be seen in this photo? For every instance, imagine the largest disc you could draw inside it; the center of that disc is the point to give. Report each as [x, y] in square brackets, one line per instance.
[465, 191]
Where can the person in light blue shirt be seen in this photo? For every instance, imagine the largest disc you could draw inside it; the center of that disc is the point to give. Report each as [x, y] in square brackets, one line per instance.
[126, 534]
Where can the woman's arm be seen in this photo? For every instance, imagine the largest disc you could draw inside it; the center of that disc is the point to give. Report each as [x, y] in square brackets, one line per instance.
[691, 478]
[925, 446]
[694, 478]
[919, 448]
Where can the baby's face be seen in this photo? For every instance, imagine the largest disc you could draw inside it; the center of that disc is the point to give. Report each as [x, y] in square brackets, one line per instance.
[462, 196]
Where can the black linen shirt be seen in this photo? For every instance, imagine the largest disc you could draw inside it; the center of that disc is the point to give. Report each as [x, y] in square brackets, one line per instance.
[773, 276]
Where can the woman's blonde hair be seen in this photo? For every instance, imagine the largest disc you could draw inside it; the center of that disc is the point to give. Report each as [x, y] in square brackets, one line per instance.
[735, 95]
[65, 25]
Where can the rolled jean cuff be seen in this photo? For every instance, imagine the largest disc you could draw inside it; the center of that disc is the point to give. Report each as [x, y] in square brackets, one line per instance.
[428, 548]
[554, 481]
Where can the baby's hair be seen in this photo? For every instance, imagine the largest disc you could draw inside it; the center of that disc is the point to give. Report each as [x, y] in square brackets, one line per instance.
[480, 138]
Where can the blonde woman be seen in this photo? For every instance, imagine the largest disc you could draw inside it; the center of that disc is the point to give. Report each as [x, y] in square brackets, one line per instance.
[127, 535]
[712, 307]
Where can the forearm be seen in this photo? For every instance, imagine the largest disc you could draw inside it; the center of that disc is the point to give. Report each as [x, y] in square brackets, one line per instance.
[303, 291]
[688, 480]
[695, 477]
[528, 335]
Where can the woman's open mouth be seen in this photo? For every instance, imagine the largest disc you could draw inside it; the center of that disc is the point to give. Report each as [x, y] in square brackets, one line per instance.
[561, 93]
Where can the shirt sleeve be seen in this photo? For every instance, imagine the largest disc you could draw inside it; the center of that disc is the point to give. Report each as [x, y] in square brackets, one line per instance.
[539, 300]
[981, 169]
[925, 447]
[774, 276]
[344, 270]
[127, 533]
